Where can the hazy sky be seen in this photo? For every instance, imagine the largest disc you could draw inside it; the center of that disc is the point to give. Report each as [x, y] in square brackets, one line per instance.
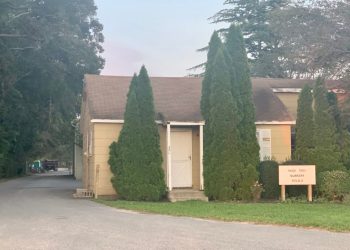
[162, 34]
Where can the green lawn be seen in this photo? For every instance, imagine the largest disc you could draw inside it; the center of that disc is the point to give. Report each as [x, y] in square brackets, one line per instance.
[334, 217]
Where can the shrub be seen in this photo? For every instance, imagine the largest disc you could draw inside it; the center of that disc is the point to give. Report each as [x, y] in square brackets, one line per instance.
[334, 185]
[269, 178]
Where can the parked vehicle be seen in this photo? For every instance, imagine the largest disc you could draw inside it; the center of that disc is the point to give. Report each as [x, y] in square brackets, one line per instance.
[50, 165]
[36, 167]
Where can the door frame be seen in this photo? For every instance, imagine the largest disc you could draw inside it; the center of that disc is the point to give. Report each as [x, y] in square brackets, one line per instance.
[168, 126]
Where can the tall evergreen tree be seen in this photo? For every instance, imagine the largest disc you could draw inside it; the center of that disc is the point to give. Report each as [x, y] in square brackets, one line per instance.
[214, 44]
[334, 110]
[127, 152]
[326, 154]
[241, 88]
[342, 134]
[304, 124]
[136, 159]
[152, 155]
[224, 174]
[131, 112]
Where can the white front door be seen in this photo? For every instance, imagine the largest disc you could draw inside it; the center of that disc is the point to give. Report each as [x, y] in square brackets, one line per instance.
[181, 158]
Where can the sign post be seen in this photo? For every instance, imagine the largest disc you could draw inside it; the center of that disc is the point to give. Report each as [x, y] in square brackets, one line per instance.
[297, 175]
[283, 192]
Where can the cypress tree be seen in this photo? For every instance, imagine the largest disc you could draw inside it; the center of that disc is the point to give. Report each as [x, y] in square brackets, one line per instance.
[326, 154]
[241, 88]
[342, 134]
[136, 159]
[115, 156]
[125, 157]
[304, 124]
[214, 44]
[224, 173]
[154, 184]
[334, 110]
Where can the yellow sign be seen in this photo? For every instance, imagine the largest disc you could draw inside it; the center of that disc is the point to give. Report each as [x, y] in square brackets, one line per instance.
[297, 175]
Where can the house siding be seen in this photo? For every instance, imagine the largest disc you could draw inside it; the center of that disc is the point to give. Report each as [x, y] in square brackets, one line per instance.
[104, 134]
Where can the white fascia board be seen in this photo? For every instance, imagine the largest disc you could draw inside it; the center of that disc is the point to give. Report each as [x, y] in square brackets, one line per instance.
[298, 90]
[286, 90]
[107, 121]
[275, 123]
[173, 123]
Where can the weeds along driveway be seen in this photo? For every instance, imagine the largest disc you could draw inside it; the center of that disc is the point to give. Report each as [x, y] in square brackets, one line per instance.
[38, 212]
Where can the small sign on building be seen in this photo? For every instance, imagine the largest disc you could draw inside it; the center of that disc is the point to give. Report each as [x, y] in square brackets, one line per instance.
[297, 175]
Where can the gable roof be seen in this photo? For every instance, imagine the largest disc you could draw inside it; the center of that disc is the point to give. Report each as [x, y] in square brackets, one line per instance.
[175, 98]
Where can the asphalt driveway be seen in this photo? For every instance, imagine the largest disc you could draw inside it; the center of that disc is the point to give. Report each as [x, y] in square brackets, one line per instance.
[38, 212]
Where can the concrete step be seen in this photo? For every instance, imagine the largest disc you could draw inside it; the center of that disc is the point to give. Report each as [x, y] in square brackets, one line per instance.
[83, 193]
[186, 195]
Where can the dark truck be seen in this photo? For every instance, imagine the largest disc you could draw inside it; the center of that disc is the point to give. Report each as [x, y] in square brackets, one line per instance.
[50, 165]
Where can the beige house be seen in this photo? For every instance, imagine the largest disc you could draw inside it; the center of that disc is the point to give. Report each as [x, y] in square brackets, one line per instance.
[177, 104]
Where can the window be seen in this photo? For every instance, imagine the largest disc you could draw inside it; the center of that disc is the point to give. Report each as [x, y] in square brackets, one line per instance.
[264, 139]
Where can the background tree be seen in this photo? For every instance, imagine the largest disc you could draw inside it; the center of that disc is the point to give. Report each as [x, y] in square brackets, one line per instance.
[241, 88]
[314, 36]
[262, 44]
[46, 47]
[304, 124]
[294, 39]
[136, 159]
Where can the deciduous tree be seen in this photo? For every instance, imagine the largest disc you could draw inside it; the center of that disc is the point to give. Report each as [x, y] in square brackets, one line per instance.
[46, 48]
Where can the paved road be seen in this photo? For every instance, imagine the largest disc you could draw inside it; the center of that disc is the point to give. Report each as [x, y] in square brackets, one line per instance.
[39, 212]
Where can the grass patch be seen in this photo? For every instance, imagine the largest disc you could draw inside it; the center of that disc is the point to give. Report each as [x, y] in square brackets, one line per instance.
[329, 216]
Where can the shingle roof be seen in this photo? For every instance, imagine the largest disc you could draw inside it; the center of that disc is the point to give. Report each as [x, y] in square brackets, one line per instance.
[175, 98]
